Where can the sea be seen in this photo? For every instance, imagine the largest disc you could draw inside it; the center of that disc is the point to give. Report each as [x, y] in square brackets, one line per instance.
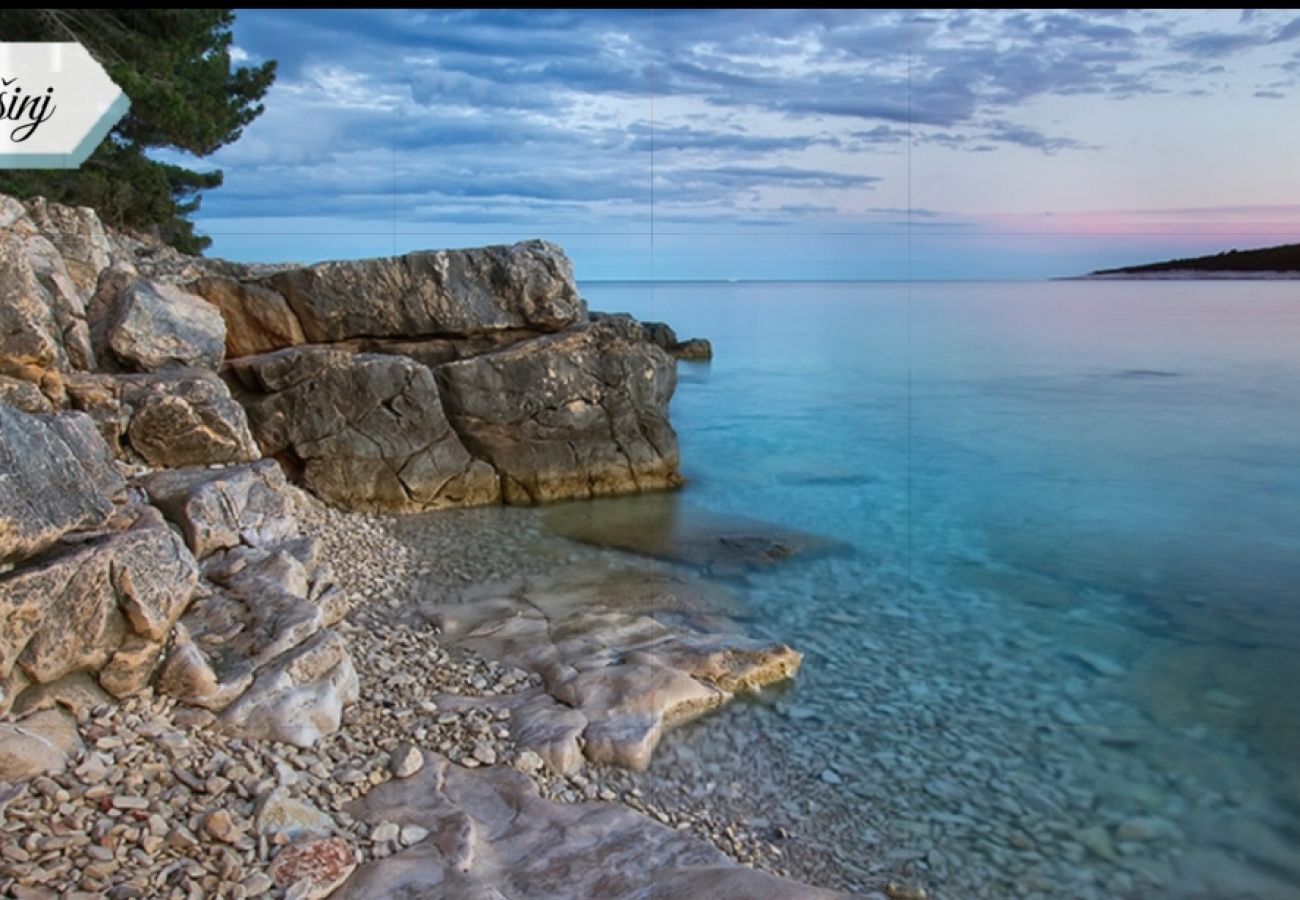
[1060, 656]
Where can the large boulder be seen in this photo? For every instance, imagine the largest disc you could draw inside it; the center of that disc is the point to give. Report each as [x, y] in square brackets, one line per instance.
[579, 414]
[79, 237]
[177, 417]
[43, 316]
[363, 431]
[435, 293]
[76, 609]
[300, 697]
[258, 319]
[56, 476]
[151, 325]
[220, 509]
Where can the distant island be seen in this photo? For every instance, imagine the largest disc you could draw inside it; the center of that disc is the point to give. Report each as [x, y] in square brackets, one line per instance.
[1269, 262]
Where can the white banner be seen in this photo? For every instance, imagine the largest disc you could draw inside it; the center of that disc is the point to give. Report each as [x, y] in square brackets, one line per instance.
[56, 104]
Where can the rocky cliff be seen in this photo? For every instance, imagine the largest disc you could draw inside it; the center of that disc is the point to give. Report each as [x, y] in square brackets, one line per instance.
[154, 408]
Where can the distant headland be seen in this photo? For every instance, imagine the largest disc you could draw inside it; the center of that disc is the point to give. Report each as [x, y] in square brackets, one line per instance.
[1279, 262]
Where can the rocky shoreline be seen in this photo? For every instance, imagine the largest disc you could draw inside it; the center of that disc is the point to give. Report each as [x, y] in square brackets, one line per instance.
[212, 683]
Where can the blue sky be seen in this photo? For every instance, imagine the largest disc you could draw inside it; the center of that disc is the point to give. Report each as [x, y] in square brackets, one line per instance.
[769, 144]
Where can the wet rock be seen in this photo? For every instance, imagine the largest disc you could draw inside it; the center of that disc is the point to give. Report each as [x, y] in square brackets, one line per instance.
[442, 292]
[670, 528]
[492, 835]
[362, 431]
[616, 666]
[579, 414]
[59, 477]
[43, 743]
[258, 319]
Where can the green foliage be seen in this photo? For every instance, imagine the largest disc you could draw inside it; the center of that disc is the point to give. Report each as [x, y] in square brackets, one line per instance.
[174, 65]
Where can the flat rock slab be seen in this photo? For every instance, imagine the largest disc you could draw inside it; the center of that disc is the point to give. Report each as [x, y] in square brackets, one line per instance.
[668, 528]
[623, 654]
[435, 293]
[491, 835]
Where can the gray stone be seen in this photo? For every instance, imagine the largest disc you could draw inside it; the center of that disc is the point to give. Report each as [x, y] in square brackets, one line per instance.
[185, 418]
[279, 812]
[43, 743]
[299, 697]
[491, 835]
[219, 509]
[362, 431]
[42, 318]
[74, 610]
[573, 415]
[435, 293]
[58, 477]
[23, 395]
[406, 760]
[78, 235]
[154, 325]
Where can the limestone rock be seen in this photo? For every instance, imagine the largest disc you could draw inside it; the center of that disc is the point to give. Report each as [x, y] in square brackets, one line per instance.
[177, 417]
[279, 812]
[365, 431]
[42, 313]
[131, 667]
[23, 395]
[435, 293]
[74, 610]
[188, 675]
[493, 836]
[154, 325]
[258, 319]
[78, 693]
[41, 744]
[185, 418]
[79, 237]
[693, 350]
[57, 477]
[578, 414]
[622, 654]
[433, 352]
[300, 697]
[219, 509]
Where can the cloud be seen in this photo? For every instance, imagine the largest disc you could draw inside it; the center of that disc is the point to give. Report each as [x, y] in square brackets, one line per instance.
[563, 115]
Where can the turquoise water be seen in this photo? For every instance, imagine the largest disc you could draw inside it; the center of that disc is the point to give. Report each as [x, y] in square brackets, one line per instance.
[1064, 658]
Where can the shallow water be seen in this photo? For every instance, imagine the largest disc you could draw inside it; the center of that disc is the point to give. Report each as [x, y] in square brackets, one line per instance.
[1061, 659]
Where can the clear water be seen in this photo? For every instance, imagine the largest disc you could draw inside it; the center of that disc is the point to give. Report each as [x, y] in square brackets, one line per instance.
[1064, 659]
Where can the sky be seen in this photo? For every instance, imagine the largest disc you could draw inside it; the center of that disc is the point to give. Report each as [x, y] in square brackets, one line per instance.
[769, 144]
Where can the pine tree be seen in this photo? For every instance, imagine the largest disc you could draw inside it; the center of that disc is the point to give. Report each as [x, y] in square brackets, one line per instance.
[175, 66]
